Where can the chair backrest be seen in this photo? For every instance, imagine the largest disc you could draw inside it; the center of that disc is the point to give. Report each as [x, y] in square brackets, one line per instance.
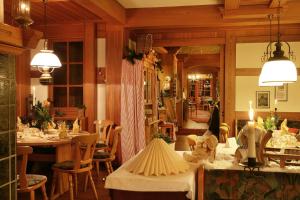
[22, 153]
[84, 150]
[103, 128]
[116, 136]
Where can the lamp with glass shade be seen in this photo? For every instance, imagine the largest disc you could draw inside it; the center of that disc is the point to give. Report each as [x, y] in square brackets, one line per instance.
[278, 68]
[45, 60]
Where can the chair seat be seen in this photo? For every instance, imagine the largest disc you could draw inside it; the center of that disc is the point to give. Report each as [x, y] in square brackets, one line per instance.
[101, 155]
[67, 165]
[33, 179]
[101, 145]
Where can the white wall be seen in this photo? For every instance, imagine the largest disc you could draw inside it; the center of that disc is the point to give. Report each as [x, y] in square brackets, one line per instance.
[248, 55]
[101, 88]
[41, 91]
[1, 11]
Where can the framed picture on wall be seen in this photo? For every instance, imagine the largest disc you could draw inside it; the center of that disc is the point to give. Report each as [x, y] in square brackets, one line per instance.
[262, 99]
[281, 92]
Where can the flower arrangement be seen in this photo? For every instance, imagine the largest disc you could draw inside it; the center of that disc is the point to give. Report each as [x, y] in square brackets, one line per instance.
[41, 114]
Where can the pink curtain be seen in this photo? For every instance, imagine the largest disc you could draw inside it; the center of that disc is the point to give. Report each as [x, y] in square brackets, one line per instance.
[132, 109]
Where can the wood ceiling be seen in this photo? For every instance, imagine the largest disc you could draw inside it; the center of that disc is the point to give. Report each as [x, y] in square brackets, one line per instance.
[58, 12]
[228, 13]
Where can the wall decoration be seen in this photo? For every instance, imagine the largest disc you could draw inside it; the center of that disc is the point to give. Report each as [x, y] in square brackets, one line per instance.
[281, 92]
[262, 99]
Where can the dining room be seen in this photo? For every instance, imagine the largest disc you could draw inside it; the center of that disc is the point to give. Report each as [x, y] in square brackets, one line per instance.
[94, 97]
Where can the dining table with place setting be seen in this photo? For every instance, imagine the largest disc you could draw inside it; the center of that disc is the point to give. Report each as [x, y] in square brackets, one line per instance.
[51, 145]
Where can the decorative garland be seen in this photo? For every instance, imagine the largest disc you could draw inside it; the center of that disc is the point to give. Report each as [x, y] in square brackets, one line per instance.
[131, 55]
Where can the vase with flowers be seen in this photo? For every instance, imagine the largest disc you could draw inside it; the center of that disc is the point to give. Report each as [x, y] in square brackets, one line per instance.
[42, 115]
[166, 138]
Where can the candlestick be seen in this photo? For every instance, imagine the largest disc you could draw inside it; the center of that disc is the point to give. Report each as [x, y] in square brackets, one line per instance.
[251, 138]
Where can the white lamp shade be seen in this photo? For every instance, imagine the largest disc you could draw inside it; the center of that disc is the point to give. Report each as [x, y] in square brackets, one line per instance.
[45, 58]
[261, 84]
[278, 71]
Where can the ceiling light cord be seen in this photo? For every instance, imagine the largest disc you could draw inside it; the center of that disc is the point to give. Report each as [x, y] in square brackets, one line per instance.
[45, 25]
[278, 21]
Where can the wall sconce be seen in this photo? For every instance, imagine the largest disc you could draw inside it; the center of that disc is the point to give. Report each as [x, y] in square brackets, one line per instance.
[21, 12]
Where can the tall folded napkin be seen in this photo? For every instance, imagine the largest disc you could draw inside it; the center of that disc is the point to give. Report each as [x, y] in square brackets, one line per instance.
[158, 159]
[76, 127]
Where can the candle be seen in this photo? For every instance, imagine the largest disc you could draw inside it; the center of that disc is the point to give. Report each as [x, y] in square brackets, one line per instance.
[251, 137]
[33, 95]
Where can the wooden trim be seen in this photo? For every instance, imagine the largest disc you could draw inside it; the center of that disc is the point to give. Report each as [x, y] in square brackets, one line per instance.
[10, 35]
[275, 3]
[4, 48]
[247, 71]
[231, 4]
[89, 75]
[222, 83]
[230, 59]
[109, 10]
[288, 115]
[31, 38]
[188, 42]
[252, 71]
[265, 38]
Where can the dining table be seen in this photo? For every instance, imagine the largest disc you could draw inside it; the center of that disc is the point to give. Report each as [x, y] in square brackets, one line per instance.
[63, 149]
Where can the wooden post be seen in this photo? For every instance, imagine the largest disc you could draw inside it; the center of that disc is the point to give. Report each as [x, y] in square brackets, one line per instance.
[229, 100]
[114, 50]
[89, 75]
[23, 82]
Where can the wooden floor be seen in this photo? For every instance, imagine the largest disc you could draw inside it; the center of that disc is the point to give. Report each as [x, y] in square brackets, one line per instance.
[103, 194]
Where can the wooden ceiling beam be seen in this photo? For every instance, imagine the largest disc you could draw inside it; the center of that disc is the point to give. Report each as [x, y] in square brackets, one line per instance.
[208, 16]
[231, 4]
[248, 12]
[109, 10]
[275, 3]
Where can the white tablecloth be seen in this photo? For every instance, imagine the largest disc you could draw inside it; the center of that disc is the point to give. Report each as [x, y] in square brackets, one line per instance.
[121, 179]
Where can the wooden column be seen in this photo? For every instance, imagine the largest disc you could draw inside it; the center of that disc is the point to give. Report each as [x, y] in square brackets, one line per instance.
[229, 100]
[22, 81]
[89, 74]
[114, 50]
[179, 100]
[222, 83]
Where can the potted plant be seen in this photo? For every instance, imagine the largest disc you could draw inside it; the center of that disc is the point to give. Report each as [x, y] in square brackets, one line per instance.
[41, 115]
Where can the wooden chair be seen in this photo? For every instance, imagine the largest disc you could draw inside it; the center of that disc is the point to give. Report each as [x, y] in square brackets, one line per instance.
[108, 156]
[83, 147]
[103, 128]
[29, 182]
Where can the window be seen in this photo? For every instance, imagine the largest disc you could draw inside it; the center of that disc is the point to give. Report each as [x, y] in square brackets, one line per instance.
[68, 80]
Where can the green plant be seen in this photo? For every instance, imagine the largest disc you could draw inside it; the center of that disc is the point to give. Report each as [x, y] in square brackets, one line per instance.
[41, 114]
[165, 137]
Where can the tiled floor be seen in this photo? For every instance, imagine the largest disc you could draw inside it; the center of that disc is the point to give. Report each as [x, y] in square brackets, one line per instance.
[103, 194]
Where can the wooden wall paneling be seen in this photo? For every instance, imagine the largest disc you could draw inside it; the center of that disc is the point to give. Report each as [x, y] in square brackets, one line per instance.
[22, 82]
[221, 78]
[229, 95]
[232, 4]
[114, 50]
[89, 75]
[64, 31]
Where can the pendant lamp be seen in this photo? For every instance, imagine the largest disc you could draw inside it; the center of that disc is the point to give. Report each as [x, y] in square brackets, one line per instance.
[278, 68]
[45, 60]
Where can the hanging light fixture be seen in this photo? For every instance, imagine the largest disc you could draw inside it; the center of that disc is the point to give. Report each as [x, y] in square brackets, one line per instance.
[21, 12]
[46, 61]
[277, 69]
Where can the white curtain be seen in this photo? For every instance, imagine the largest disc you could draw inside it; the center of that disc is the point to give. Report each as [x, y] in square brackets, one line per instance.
[132, 109]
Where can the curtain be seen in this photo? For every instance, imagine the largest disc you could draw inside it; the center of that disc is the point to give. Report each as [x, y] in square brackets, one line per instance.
[132, 109]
